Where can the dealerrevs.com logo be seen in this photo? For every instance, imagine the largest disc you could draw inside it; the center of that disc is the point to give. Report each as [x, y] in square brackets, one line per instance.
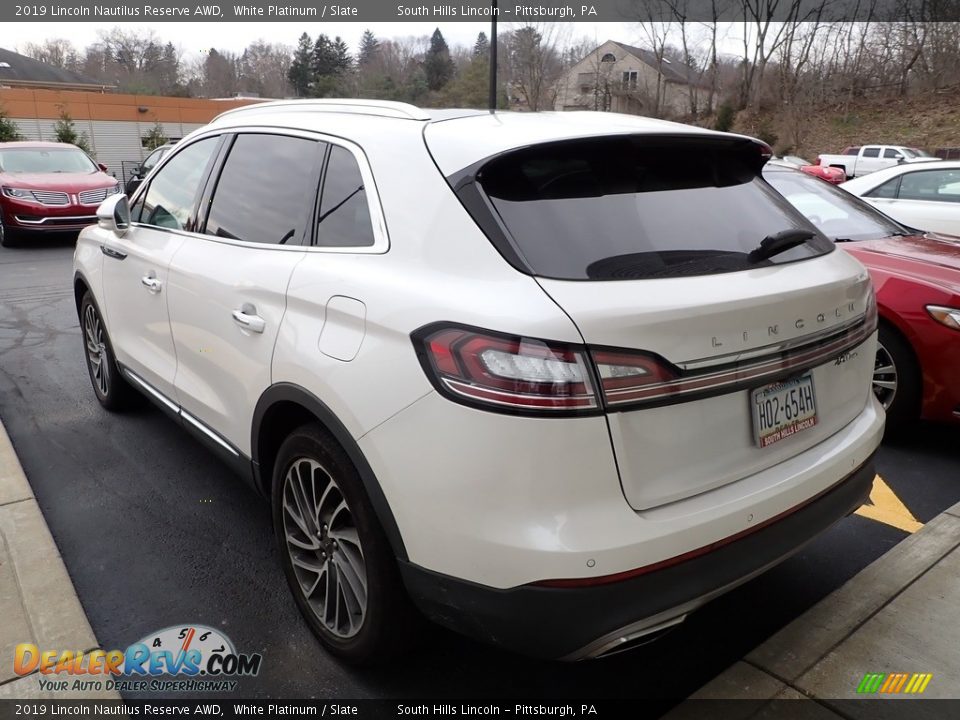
[182, 658]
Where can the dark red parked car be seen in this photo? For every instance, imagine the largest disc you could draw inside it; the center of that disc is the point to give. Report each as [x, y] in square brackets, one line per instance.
[49, 187]
[917, 279]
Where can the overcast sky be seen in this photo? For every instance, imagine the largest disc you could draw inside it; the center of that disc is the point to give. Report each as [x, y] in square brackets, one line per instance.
[195, 37]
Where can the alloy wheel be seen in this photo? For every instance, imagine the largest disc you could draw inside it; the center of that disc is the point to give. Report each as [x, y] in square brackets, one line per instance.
[324, 547]
[96, 349]
[884, 377]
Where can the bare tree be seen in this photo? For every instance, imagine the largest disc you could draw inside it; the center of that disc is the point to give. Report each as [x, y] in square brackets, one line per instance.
[58, 52]
[534, 64]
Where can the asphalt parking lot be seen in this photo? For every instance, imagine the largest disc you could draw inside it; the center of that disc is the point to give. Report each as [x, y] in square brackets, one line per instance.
[156, 532]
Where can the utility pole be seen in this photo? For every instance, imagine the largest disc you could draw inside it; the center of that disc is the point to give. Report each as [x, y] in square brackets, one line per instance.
[493, 57]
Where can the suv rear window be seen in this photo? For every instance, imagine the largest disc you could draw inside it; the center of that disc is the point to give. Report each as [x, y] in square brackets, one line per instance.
[632, 208]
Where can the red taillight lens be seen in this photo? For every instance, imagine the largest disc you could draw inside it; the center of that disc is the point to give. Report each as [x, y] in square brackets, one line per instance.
[507, 372]
[627, 377]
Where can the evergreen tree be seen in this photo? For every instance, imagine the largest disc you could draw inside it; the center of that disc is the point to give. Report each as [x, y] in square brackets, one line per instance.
[481, 48]
[66, 131]
[369, 47]
[325, 58]
[437, 64]
[344, 58]
[301, 72]
[9, 131]
[155, 137]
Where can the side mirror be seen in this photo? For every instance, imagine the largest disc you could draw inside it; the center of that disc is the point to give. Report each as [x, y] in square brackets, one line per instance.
[114, 214]
[103, 168]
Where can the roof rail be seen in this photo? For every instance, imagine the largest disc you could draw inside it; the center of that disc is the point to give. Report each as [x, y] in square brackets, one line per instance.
[382, 108]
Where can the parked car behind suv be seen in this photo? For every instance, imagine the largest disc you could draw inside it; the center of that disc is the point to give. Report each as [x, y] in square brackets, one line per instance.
[555, 380]
[49, 187]
[142, 170]
[917, 276]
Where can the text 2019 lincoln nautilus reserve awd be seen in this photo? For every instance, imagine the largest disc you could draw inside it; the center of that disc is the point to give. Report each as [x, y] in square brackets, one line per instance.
[552, 380]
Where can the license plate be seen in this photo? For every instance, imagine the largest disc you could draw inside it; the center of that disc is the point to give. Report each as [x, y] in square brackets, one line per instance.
[783, 409]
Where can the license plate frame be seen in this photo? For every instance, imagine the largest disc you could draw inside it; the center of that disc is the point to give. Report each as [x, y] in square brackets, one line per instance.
[782, 409]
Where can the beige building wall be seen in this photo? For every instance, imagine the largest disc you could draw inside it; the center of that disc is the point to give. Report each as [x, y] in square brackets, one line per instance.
[597, 83]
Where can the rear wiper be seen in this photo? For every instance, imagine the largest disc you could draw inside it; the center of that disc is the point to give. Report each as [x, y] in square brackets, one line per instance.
[778, 243]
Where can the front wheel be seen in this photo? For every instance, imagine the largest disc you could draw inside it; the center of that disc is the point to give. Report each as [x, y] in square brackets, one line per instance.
[6, 235]
[336, 557]
[896, 381]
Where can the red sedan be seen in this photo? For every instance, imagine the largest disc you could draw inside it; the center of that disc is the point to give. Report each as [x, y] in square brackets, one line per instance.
[49, 187]
[917, 279]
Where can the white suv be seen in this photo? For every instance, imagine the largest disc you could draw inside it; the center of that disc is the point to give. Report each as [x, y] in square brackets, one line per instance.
[555, 380]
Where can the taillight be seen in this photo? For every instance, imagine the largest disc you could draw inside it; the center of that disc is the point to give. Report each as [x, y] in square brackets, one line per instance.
[527, 376]
[509, 373]
[627, 377]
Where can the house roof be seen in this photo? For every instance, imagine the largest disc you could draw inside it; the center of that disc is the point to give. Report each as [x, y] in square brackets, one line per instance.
[17, 69]
[670, 69]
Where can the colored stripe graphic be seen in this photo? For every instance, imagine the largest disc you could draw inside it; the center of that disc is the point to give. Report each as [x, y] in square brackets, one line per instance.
[894, 683]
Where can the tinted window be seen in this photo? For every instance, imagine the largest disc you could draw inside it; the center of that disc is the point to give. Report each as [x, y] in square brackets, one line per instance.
[887, 190]
[266, 189]
[170, 199]
[344, 219]
[623, 208]
[45, 160]
[892, 154]
[871, 152]
[939, 185]
[836, 213]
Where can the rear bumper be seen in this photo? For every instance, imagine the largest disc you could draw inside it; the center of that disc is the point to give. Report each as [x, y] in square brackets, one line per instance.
[582, 622]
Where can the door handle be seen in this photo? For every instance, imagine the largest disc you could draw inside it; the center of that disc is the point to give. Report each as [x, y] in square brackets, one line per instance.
[249, 320]
[151, 283]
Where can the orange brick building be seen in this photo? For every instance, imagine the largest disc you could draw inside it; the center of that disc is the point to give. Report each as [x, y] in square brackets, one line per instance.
[115, 124]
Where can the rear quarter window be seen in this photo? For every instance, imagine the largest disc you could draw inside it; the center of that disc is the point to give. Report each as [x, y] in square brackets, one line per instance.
[626, 208]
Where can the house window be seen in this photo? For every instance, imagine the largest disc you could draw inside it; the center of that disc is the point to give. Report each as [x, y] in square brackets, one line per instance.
[608, 58]
[630, 80]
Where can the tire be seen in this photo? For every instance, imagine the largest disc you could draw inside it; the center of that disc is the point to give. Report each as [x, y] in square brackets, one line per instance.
[339, 552]
[6, 235]
[896, 381]
[110, 387]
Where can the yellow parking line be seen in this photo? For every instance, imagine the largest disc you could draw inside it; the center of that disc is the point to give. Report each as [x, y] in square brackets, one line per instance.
[887, 508]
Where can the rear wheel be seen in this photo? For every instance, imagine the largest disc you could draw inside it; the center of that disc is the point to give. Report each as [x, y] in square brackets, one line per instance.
[335, 555]
[111, 389]
[896, 381]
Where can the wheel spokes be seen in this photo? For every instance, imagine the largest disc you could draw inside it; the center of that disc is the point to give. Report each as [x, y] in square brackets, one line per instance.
[324, 547]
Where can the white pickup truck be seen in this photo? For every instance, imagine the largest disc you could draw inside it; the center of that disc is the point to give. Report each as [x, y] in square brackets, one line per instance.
[856, 161]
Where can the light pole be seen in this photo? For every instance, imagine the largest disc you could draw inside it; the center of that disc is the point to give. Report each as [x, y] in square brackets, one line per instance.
[493, 57]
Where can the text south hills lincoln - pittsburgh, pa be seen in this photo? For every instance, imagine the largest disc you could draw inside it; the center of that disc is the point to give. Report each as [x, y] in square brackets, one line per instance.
[186, 10]
[519, 12]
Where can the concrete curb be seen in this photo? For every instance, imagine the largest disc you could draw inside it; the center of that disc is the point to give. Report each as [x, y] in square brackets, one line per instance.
[899, 614]
[38, 603]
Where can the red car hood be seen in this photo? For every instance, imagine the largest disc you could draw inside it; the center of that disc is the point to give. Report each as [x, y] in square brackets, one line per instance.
[65, 182]
[928, 257]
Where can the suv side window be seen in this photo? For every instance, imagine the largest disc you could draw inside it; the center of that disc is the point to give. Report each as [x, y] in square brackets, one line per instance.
[152, 159]
[171, 198]
[266, 189]
[344, 219]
